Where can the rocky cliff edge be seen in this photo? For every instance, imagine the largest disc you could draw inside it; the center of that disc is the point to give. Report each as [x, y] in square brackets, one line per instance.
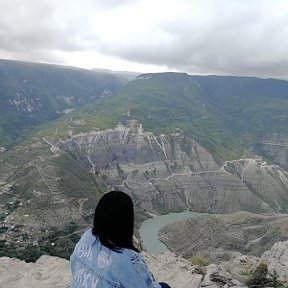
[54, 272]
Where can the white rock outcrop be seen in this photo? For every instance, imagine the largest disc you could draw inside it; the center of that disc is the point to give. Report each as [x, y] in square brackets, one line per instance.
[47, 272]
[277, 260]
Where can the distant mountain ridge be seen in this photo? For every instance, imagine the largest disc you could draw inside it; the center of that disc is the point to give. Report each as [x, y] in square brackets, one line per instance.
[226, 115]
[126, 74]
[32, 94]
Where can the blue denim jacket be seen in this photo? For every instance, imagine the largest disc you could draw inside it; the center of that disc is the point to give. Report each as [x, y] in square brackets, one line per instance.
[95, 266]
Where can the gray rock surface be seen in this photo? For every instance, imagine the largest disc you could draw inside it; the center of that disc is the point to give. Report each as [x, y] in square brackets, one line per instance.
[47, 272]
[275, 147]
[172, 172]
[176, 271]
[216, 277]
[277, 259]
[54, 272]
[219, 236]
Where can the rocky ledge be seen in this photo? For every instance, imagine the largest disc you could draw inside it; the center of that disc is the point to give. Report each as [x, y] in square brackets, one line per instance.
[53, 272]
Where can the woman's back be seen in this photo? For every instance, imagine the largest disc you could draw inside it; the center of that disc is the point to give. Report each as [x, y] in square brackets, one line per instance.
[94, 265]
[105, 256]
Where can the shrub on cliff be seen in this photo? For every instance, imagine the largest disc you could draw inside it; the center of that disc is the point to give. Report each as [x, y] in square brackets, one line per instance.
[199, 260]
[260, 278]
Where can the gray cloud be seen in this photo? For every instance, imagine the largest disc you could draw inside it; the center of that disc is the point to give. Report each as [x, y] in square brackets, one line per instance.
[228, 37]
[245, 40]
[36, 25]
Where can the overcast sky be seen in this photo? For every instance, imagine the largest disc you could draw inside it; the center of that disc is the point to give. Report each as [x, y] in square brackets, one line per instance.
[226, 37]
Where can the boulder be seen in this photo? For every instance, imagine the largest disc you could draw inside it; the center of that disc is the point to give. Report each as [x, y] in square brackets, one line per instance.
[277, 260]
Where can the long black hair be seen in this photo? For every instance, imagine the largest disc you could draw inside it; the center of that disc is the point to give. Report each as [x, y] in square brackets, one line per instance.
[114, 221]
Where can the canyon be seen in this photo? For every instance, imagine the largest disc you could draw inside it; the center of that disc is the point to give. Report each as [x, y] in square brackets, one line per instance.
[172, 141]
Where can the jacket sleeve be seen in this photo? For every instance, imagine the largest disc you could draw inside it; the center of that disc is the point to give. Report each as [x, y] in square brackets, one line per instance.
[139, 275]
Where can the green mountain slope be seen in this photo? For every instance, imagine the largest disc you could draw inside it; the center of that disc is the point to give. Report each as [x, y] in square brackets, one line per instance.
[32, 94]
[162, 103]
[248, 105]
[225, 114]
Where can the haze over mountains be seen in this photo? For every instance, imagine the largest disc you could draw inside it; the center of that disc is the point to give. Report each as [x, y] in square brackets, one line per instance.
[172, 141]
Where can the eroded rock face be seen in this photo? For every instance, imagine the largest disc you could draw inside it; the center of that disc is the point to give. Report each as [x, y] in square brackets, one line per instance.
[162, 173]
[169, 173]
[219, 236]
[275, 147]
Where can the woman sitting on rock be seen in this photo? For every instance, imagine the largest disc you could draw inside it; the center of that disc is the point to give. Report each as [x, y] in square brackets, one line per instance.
[105, 255]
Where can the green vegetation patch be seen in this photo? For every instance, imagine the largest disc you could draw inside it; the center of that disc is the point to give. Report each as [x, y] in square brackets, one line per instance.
[261, 278]
[199, 260]
[57, 242]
